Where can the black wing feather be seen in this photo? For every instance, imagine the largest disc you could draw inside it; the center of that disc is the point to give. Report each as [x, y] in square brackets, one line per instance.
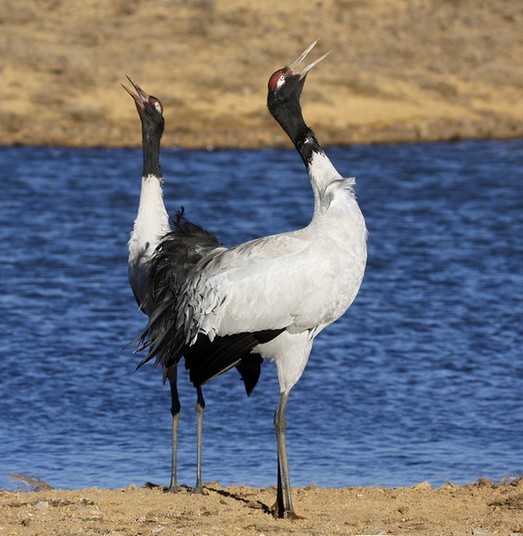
[206, 360]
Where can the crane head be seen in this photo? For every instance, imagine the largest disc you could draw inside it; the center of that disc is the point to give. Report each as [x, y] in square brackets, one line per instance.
[147, 105]
[287, 83]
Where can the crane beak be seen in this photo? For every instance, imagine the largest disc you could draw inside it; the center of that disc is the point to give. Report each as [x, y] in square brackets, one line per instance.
[292, 66]
[140, 97]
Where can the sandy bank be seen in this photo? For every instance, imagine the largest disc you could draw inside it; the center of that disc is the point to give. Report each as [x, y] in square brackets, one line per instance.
[477, 509]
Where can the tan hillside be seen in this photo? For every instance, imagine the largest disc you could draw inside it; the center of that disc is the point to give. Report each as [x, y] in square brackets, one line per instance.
[399, 69]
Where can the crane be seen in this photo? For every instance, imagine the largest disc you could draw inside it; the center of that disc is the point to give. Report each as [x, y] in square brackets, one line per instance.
[150, 225]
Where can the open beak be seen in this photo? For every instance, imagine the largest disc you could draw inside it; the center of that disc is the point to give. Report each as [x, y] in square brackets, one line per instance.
[140, 97]
[292, 66]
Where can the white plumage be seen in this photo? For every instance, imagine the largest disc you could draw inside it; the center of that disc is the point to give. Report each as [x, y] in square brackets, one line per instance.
[151, 224]
[296, 281]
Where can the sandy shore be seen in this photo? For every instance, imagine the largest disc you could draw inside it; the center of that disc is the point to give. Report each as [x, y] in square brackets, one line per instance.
[398, 71]
[477, 509]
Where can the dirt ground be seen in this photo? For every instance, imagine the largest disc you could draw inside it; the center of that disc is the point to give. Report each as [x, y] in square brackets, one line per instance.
[478, 509]
[402, 70]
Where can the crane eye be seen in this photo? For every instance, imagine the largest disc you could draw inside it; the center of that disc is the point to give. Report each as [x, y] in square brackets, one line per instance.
[276, 80]
[156, 103]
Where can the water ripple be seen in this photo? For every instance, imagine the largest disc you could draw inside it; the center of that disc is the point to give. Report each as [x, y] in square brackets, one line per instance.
[421, 380]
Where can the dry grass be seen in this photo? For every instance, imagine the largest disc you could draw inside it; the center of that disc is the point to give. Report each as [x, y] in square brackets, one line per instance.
[403, 70]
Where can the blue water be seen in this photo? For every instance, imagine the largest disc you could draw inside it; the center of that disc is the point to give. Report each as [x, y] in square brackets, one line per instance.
[421, 380]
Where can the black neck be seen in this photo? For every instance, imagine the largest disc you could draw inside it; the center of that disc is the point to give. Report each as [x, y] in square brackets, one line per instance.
[291, 120]
[307, 146]
[151, 151]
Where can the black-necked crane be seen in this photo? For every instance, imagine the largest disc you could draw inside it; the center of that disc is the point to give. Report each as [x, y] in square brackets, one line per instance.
[272, 295]
[150, 225]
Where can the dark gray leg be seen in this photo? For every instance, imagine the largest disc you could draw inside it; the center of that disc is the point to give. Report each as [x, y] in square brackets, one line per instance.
[175, 412]
[200, 407]
[284, 507]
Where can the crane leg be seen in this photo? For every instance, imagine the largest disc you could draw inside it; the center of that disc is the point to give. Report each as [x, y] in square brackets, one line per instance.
[283, 507]
[200, 407]
[175, 412]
